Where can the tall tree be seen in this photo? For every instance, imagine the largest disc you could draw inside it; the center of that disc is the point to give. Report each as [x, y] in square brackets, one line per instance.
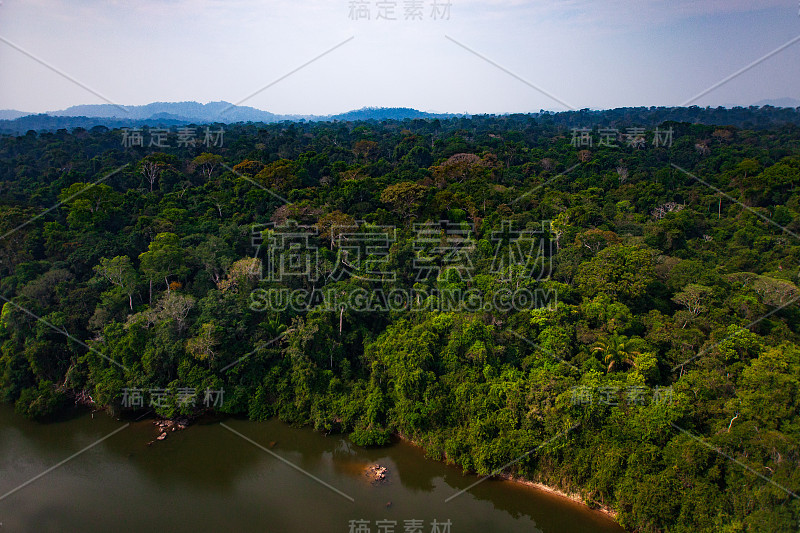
[164, 258]
[120, 273]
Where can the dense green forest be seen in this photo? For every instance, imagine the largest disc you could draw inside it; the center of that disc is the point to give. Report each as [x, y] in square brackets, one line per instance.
[611, 310]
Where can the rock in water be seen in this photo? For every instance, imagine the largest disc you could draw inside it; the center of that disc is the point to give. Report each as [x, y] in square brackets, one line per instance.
[377, 473]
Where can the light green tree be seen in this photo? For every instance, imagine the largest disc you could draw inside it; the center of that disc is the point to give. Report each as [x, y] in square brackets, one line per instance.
[163, 258]
[119, 272]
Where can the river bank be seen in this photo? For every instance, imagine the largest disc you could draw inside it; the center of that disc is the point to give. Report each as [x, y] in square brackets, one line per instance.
[573, 497]
[216, 474]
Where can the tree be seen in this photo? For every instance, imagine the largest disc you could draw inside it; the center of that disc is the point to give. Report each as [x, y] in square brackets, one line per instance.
[694, 297]
[332, 224]
[163, 258]
[119, 272]
[623, 271]
[15, 230]
[248, 167]
[458, 168]
[153, 165]
[89, 196]
[172, 307]
[202, 346]
[775, 292]
[175, 306]
[88, 203]
[207, 163]
[559, 226]
[597, 239]
[151, 171]
[42, 402]
[404, 198]
[280, 175]
[215, 256]
[243, 273]
[365, 149]
[615, 349]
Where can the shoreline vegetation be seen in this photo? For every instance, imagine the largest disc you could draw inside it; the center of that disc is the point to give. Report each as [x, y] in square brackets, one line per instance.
[574, 497]
[377, 472]
[538, 485]
[550, 489]
[614, 287]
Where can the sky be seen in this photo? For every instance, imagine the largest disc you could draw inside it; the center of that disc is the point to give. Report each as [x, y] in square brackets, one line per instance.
[325, 56]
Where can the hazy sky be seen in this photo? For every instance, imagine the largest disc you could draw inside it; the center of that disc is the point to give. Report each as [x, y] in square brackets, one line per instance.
[597, 54]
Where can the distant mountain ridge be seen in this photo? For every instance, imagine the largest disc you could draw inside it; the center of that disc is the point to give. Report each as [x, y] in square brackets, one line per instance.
[175, 114]
[779, 102]
[181, 113]
[385, 113]
[11, 114]
[193, 112]
[225, 112]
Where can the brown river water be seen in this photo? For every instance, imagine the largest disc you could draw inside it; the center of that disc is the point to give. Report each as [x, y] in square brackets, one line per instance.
[209, 477]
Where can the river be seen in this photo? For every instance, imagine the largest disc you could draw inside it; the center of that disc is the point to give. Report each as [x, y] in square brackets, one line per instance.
[209, 477]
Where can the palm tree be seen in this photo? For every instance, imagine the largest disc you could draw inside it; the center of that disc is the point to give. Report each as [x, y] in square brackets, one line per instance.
[616, 349]
[273, 327]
